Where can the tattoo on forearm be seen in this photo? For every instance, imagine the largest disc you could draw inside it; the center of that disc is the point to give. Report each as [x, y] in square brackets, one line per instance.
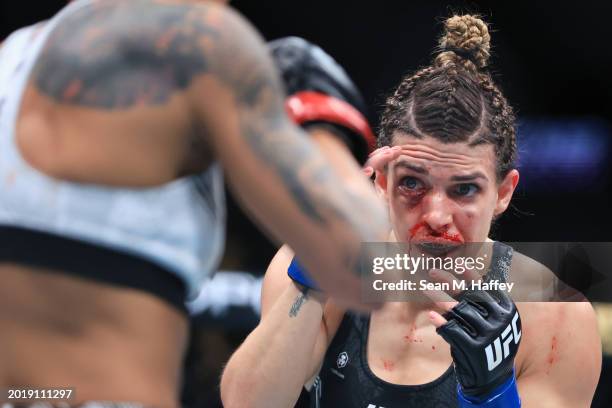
[303, 169]
[297, 305]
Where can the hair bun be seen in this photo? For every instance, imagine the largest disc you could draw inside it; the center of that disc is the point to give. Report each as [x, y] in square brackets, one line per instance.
[466, 39]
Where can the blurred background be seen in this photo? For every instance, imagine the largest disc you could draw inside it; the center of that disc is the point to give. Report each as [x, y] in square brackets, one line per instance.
[554, 63]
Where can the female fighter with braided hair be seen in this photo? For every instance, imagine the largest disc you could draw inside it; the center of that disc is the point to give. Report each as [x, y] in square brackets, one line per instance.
[448, 174]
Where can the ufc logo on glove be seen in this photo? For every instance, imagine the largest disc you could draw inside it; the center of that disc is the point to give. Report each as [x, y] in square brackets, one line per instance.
[489, 321]
[511, 332]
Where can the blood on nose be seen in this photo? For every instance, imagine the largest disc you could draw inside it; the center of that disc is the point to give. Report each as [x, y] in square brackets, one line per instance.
[413, 231]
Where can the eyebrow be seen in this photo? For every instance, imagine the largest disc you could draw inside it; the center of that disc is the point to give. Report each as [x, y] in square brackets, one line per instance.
[413, 167]
[469, 177]
[422, 170]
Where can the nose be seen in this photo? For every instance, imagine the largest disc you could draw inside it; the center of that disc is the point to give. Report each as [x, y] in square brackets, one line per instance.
[437, 212]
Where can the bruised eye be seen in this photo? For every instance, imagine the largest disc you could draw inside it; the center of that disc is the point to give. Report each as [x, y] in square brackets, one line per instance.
[465, 190]
[410, 183]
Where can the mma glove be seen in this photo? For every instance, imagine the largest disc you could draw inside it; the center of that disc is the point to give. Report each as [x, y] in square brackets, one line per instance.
[321, 93]
[484, 332]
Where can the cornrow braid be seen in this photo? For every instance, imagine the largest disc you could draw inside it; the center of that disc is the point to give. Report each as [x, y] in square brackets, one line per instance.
[455, 99]
[394, 115]
[502, 132]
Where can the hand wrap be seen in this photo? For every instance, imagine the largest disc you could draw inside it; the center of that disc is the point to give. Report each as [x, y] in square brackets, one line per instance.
[299, 275]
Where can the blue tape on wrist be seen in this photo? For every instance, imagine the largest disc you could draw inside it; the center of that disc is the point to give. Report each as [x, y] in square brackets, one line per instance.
[504, 396]
[299, 274]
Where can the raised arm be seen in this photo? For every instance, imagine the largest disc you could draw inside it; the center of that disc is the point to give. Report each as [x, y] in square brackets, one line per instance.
[143, 91]
[273, 167]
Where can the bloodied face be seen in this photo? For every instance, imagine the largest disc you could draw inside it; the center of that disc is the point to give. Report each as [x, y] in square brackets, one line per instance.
[443, 194]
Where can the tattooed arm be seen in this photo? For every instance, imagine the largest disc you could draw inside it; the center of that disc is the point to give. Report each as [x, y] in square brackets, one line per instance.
[158, 84]
[274, 168]
[294, 326]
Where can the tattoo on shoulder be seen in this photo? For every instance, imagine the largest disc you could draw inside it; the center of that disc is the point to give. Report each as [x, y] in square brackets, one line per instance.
[117, 54]
[297, 305]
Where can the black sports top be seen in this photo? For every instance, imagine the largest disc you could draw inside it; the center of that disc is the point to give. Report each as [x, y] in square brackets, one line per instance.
[346, 380]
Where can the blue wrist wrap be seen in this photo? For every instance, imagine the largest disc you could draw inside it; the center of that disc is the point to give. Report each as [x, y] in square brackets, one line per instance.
[299, 275]
[504, 396]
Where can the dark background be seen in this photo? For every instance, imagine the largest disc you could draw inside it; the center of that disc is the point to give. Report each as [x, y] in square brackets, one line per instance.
[553, 61]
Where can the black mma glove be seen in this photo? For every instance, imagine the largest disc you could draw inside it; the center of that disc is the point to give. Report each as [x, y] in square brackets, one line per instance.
[320, 92]
[484, 332]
